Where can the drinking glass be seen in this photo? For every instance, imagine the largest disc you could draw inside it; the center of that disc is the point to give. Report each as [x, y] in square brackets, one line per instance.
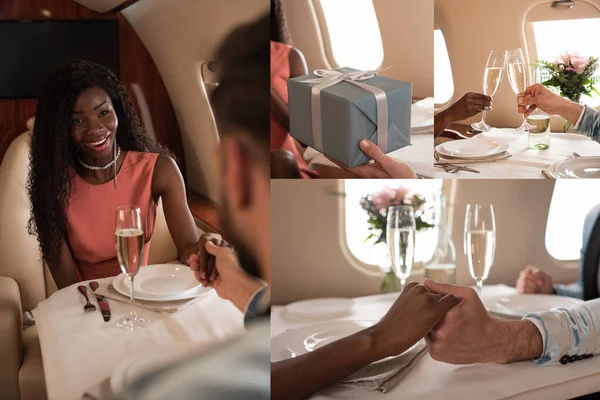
[492, 77]
[539, 132]
[480, 241]
[518, 78]
[401, 229]
[130, 248]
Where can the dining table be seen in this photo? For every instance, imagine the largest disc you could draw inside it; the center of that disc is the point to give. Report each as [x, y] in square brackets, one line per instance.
[430, 379]
[523, 163]
[80, 350]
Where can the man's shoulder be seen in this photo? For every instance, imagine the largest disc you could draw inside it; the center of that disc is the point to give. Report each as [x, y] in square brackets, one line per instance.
[235, 369]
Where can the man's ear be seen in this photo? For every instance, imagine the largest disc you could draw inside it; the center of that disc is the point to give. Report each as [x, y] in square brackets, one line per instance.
[237, 170]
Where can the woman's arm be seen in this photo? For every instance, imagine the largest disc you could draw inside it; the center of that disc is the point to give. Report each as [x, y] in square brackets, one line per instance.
[167, 183]
[62, 267]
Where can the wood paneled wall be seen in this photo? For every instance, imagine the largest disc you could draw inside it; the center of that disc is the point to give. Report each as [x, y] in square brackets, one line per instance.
[136, 67]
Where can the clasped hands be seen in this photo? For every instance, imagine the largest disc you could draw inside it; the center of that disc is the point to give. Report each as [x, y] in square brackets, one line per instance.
[215, 264]
[454, 322]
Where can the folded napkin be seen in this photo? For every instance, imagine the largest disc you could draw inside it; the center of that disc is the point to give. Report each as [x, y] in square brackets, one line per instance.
[496, 157]
[170, 306]
[384, 375]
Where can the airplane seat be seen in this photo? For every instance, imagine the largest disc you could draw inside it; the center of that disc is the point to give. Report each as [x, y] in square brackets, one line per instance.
[25, 280]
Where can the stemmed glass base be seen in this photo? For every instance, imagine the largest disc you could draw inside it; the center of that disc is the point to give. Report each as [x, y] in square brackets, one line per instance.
[525, 126]
[132, 322]
[481, 126]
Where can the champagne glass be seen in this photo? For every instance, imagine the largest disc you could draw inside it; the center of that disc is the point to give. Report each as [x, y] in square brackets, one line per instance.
[130, 248]
[401, 230]
[480, 241]
[492, 77]
[518, 78]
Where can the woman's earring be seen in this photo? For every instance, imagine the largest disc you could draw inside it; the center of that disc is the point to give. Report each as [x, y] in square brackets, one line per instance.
[115, 163]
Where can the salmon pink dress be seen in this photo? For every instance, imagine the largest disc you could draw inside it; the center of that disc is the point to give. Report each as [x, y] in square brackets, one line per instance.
[280, 73]
[91, 215]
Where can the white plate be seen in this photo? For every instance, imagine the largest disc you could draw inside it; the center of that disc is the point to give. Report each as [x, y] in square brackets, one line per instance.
[163, 279]
[517, 305]
[297, 342]
[327, 308]
[119, 285]
[140, 364]
[576, 168]
[421, 117]
[472, 148]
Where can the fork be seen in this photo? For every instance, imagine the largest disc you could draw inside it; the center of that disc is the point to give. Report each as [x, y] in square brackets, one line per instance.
[89, 307]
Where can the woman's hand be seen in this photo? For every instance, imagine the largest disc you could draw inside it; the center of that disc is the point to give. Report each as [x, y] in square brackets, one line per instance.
[468, 106]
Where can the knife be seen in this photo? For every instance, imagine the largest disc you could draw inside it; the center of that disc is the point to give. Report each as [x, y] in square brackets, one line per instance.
[104, 308]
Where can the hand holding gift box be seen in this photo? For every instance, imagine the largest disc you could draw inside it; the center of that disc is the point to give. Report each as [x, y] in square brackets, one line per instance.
[333, 110]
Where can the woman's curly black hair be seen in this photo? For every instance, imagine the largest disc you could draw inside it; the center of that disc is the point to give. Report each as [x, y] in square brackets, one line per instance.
[53, 152]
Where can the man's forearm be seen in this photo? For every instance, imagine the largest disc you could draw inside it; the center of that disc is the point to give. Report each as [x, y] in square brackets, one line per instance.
[571, 111]
[299, 377]
[517, 341]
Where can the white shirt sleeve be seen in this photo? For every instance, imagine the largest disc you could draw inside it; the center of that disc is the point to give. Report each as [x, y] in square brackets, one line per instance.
[579, 119]
[569, 334]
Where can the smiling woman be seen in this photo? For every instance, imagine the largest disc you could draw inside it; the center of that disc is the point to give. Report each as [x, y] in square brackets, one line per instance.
[86, 135]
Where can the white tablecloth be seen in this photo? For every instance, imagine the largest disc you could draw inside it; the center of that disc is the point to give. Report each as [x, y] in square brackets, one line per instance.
[418, 155]
[80, 350]
[431, 380]
[525, 163]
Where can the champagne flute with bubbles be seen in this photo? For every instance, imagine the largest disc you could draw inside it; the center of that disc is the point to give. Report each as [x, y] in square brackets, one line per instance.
[518, 78]
[401, 229]
[130, 248]
[480, 241]
[492, 77]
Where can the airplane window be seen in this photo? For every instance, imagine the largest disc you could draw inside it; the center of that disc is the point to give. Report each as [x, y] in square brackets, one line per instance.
[571, 201]
[443, 85]
[357, 225]
[354, 33]
[551, 41]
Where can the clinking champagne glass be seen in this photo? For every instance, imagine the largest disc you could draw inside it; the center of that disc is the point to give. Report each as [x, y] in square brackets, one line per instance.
[400, 237]
[492, 77]
[130, 248]
[480, 241]
[518, 78]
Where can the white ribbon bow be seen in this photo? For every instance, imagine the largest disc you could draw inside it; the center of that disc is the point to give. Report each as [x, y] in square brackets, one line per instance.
[327, 78]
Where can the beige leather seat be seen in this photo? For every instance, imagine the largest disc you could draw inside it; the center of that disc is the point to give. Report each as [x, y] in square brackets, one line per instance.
[25, 280]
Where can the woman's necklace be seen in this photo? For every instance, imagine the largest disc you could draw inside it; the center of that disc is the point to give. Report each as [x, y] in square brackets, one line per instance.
[93, 167]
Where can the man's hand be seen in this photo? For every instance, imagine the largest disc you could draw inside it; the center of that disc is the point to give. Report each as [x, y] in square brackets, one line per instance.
[227, 278]
[532, 280]
[417, 308]
[203, 263]
[538, 96]
[469, 334]
[384, 166]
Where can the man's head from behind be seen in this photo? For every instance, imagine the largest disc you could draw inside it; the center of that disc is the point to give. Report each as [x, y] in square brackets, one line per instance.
[242, 107]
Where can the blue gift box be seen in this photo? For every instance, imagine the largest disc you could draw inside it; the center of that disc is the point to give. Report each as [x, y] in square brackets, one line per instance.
[348, 114]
